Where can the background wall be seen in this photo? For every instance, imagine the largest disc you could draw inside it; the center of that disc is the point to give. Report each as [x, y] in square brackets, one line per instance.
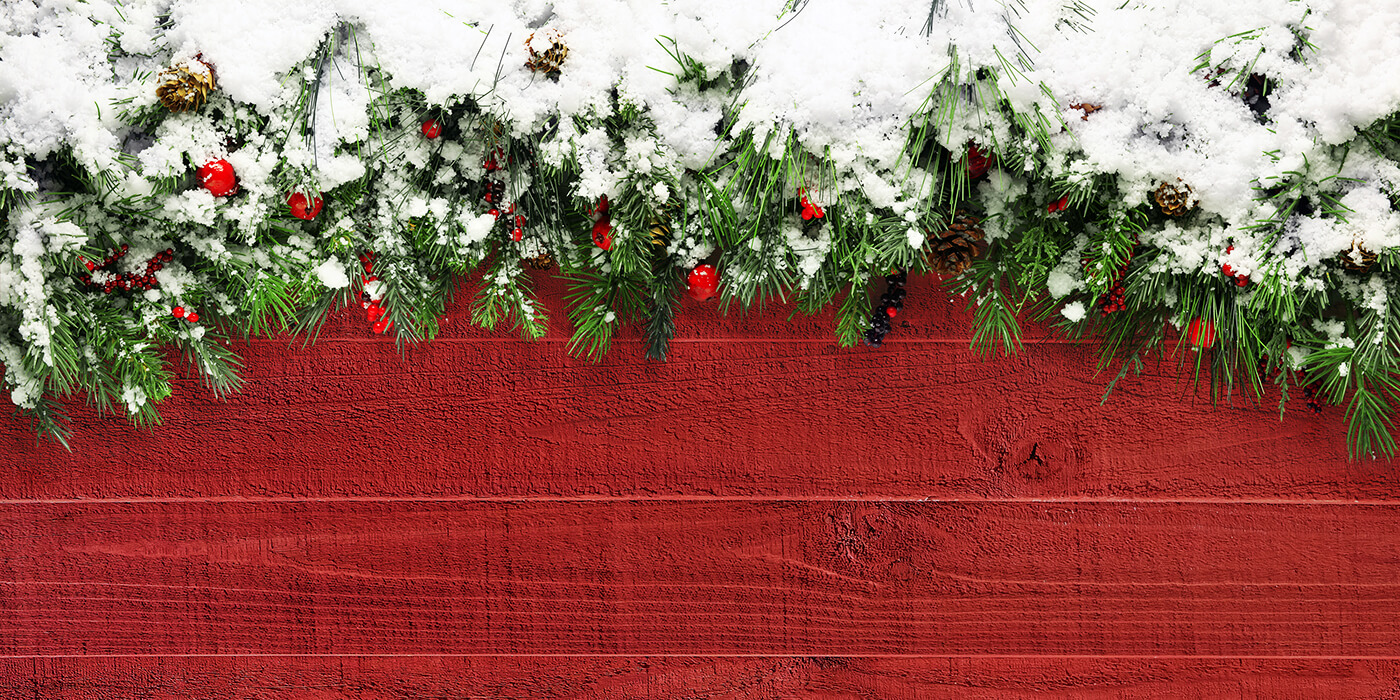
[765, 515]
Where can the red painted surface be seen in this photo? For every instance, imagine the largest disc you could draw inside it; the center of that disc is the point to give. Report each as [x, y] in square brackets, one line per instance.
[765, 515]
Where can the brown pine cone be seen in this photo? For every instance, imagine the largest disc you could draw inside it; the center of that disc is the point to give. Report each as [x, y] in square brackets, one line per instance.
[957, 246]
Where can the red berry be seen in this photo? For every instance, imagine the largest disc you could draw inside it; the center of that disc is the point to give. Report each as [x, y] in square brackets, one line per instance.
[217, 176]
[495, 212]
[602, 207]
[192, 317]
[516, 234]
[432, 129]
[490, 165]
[977, 163]
[602, 233]
[1242, 280]
[891, 311]
[807, 214]
[519, 218]
[702, 282]
[1229, 271]
[373, 312]
[178, 312]
[382, 325]
[371, 278]
[300, 207]
[1201, 333]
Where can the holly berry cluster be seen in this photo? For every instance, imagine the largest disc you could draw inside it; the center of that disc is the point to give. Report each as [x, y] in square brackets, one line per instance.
[369, 301]
[1113, 301]
[1240, 279]
[179, 312]
[1057, 206]
[810, 211]
[890, 304]
[602, 224]
[126, 281]
[496, 194]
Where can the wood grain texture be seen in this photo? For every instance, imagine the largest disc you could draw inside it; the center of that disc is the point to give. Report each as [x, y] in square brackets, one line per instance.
[764, 516]
[471, 416]
[761, 678]
[769, 578]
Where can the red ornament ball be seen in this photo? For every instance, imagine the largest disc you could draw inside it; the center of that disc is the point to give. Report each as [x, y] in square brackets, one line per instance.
[178, 312]
[432, 129]
[217, 176]
[602, 233]
[1201, 333]
[192, 317]
[702, 282]
[302, 209]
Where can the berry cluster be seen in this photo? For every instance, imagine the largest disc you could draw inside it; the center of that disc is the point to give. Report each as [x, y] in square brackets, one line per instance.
[602, 224]
[1312, 403]
[809, 210]
[1241, 280]
[127, 281]
[1060, 205]
[1113, 301]
[496, 195]
[369, 296]
[890, 304]
[179, 312]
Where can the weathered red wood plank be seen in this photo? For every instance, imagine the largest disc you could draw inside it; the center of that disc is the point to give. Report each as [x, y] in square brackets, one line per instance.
[477, 415]
[762, 678]
[772, 578]
[756, 418]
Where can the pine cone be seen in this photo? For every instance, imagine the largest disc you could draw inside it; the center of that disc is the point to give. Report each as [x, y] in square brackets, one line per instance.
[1174, 200]
[543, 261]
[660, 231]
[185, 86]
[955, 248]
[1358, 259]
[549, 60]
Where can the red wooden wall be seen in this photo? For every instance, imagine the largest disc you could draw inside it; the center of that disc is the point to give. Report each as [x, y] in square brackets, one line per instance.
[764, 516]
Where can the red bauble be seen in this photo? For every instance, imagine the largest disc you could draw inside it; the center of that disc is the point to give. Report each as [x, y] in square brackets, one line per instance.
[192, 317]
[178, 312]
[217, 177]
[300, 209]
[432, 129]
[1201, 333]
[602, 233]
[703, 282]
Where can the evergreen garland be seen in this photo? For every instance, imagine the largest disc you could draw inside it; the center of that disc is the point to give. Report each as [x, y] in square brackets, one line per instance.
[110, 259]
